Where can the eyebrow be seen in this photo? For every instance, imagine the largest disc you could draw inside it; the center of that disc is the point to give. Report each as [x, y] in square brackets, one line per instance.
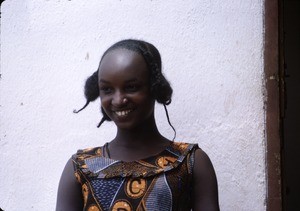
[127, 81]
[103, 81]
[131, 80]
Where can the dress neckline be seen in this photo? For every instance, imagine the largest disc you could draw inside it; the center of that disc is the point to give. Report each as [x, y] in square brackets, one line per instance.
[93, 162]
[106, 153]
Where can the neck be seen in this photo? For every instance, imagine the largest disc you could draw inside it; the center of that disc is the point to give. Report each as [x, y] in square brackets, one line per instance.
[143, 135]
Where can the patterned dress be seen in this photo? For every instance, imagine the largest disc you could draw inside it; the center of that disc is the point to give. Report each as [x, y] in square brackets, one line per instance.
[157, 183]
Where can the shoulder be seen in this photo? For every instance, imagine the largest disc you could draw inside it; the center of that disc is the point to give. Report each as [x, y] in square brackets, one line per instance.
[203, 167]
[202, 159]
[205, 193]
[69, 190]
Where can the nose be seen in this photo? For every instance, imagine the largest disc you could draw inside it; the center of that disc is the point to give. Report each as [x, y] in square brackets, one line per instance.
[118, 99]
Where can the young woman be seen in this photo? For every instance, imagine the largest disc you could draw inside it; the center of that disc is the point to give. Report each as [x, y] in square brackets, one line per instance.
[139, 169]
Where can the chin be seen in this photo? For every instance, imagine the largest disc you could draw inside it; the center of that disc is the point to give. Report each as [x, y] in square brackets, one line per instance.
[129, 124]
[126, 126]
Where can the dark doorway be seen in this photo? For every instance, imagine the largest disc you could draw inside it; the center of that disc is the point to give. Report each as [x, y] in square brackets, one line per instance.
[291, 116]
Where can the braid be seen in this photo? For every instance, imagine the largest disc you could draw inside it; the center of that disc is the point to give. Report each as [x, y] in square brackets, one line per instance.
[160, 87]
[101, 122]
[91, 90]
[91, 93]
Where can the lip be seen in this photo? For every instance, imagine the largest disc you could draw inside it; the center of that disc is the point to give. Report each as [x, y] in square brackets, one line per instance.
[122, 113]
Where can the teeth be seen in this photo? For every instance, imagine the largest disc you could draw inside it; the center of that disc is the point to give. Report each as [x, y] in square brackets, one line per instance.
[122, 113]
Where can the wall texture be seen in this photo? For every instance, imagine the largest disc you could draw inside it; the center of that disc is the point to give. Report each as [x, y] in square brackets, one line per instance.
[212, 54]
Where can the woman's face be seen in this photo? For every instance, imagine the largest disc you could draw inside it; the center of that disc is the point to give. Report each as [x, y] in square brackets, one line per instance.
[124, 87]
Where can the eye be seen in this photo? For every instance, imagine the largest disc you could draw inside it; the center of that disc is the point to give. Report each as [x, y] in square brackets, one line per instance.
[132, 87]
[105, 90]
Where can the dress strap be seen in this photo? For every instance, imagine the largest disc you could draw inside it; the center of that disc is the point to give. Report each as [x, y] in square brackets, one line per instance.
[105, 150]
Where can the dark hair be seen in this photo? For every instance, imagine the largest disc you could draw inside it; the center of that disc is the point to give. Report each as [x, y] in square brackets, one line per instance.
[159, 86]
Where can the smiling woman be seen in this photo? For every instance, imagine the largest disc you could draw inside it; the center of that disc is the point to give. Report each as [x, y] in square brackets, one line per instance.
[139, 169]
[125, 88]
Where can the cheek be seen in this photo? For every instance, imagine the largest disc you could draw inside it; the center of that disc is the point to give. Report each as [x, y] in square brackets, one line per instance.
[147, 103]
[104, 102]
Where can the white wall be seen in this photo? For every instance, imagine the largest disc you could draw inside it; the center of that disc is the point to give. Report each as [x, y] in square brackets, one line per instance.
[212, 53]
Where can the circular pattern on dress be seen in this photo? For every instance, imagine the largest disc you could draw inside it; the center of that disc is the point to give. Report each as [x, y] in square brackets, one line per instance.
[135, 187]
[93, 208]
[165, 161]
[122, 205]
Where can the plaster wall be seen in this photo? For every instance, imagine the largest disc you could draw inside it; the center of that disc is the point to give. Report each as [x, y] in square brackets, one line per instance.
[212, 53]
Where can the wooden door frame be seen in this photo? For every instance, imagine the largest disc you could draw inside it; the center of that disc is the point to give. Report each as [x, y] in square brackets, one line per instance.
[273, 84]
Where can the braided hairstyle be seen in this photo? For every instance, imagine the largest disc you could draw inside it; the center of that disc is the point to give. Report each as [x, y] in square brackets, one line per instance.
[159, 86]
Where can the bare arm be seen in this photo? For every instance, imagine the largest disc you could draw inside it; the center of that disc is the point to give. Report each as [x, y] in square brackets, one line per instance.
[69, 197]
[205, 193]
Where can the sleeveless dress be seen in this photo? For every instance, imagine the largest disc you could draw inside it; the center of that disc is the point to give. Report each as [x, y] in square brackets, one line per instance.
[157, 183]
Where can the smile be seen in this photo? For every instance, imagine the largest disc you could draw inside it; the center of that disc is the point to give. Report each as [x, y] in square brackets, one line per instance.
[122, 113]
